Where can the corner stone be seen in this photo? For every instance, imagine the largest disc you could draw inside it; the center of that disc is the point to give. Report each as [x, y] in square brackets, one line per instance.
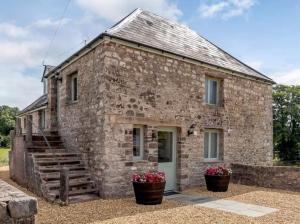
[22, 207]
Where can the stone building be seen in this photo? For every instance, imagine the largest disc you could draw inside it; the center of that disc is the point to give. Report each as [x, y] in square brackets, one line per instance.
[150, 93]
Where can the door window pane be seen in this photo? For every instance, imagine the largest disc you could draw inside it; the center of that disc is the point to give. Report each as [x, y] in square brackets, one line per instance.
[165, 146]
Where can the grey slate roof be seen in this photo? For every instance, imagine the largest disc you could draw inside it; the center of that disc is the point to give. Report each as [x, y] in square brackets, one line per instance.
[154, 31]
[40, 102]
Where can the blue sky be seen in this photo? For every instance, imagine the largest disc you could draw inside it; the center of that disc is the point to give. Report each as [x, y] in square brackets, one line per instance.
[263, 33]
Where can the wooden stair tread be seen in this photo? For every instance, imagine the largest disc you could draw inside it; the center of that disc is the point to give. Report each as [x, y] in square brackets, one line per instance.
[75, 192]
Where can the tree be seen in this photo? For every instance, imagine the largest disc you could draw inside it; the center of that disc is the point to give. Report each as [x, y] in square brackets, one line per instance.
[7, 123]
[286, 115]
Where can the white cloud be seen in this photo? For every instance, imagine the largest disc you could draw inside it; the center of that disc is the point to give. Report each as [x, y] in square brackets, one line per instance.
[20, 54]
[291, 77]
[17, 89]
[114, 10]
[12, 30]
[48, 22]
[225, 8]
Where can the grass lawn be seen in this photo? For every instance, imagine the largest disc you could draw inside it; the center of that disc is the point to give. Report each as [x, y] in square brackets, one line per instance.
[4, 156]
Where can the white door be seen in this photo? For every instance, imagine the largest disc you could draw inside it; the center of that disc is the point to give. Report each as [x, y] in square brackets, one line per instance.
[167, 155]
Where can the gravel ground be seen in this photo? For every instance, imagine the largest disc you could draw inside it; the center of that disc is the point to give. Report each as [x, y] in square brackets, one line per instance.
[124, 211]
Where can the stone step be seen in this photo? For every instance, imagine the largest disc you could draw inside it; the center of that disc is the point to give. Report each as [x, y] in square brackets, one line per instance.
[56, 168]
[88, 190]
[46, 149]
[46, 162]
[78, 182]
[59, 154]
[44, 143]
[55, 158]
[48, 137]
[73, 174]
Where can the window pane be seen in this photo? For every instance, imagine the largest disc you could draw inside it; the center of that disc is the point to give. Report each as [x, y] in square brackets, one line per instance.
[136, 142]
[74, 88]
[165, 146]
[213, 92]
[206, 145]
[214, 145]
[206, 91]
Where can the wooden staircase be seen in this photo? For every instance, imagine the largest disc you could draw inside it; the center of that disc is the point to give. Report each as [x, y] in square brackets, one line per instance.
[47, 164]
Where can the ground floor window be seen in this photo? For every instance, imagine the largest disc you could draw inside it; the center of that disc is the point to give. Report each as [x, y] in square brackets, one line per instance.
[211, 145]
[138, 142]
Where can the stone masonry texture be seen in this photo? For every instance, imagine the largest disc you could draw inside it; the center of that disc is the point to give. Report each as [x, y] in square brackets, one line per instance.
[280, 177]
[120, 86]
[15, 206]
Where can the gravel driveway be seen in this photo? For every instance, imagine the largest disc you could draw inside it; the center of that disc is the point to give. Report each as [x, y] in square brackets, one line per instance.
[126, 211]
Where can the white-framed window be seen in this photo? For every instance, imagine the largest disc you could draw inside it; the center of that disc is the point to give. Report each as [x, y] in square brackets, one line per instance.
[74, 88]
[211, 145]
[212, 91]
[138, 142]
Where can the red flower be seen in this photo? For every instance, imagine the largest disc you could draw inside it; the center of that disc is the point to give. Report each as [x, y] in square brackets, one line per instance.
[149, 177]
[218, 171]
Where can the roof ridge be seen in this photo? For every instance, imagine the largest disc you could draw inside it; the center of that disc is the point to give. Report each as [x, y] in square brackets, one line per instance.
[124, 21]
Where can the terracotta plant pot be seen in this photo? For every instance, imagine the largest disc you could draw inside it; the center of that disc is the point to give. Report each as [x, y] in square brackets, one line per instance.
[149, 193]
[217, 183]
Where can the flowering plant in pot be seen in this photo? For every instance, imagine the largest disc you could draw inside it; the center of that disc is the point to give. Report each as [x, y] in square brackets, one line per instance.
[149, 187]
[217, 178]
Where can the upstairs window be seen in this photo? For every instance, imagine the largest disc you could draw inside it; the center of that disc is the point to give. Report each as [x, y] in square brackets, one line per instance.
[212, 91]
[138, 142]
[211, 145]
[72, 87]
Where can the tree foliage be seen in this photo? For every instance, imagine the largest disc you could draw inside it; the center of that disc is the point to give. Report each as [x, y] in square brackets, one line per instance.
[286, 116]
[7, 123]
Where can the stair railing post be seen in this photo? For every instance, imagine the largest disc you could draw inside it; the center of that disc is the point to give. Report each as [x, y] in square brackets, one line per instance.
[18, 129]
[29, 130]
[64, 185]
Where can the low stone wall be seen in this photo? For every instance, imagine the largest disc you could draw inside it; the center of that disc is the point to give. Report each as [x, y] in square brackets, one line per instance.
[15, 206]
[280, 177]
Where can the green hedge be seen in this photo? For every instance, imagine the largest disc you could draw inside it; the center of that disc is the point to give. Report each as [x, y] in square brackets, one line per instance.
[4, 141]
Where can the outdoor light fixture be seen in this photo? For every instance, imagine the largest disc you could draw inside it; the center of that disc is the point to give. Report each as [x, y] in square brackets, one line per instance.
[191, 130]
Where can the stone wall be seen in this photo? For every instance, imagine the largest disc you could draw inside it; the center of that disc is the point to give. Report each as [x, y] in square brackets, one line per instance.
[81, 123]
[281, 177]
[17, 159]
[120, 86]
[158, 91]
[15, 206]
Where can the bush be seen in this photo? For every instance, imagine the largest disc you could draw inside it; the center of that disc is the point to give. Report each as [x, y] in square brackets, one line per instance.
[4, 141]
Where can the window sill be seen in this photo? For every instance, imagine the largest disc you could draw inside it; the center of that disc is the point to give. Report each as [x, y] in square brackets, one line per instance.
[214, 105]
[72, 102]
[212, 161]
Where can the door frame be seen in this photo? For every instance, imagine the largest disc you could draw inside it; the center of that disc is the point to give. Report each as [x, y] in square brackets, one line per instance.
[174, 151]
